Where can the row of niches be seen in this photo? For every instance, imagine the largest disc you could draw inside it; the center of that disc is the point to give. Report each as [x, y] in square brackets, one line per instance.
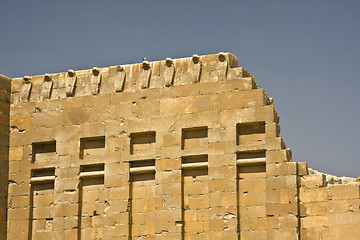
[46, 151]
[252, 133]
[193, 187]
[120, 77]
[148, 166]
[89, 172]
[145, 142]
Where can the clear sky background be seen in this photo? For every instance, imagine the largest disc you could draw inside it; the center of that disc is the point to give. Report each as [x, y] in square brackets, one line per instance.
[305, 54]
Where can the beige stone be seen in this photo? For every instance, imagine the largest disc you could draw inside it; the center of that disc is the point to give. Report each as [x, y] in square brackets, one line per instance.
[181, 148]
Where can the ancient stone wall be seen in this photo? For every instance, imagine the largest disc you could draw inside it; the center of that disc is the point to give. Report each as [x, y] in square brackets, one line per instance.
[175, 149]
[329, 207]
[5, 88]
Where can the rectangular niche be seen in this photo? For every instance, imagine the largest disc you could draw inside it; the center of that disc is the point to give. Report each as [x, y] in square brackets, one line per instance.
[251, 189]
[195, 162]
[41, 203]
[92, 171]
[251, 155]
[92, 147]
[142, 142]
[142, 199]
[250, 133]
[91, 201]
[43, 151]
[195, 197]
[195, 137]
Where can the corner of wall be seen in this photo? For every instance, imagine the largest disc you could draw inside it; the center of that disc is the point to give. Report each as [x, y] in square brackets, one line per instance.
[5, 89]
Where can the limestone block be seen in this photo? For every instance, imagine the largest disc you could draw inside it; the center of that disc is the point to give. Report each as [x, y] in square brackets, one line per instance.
[311, 209]
[117, 206]
[16, 154]
[70, 81]
[95, 81]
[15, 236]
[26, 89]
[195, 68]
[19, 201]
[21, 122]
[67, 183]
[341, 232]
[4, 108]
[17, 226]
[342, 206]
[281, 169]
[313, 195]
[145, 74]
[238, 100]
[312, 181]
[278, 156]
[347, 191]
[67, 172]
[288, 221]
[277, 209]
[310, 233]
[272, 130]
[302, 169]
[241, 84]
[283, 234]
[238, 73]
[169, 72]
[18, 213]
[168, 164]
[273, 196]
[315, 221]
[223, 66]
[120, 77]
[47, 87]
[349, 219]
[167, 215]
[94, 101]
[288, 195]
[46, 120]
[291, 181]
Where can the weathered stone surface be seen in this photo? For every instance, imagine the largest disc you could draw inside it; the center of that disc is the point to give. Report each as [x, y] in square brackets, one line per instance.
[145, 74]
[71, 80]
[47, 87]
[169, 72]
[26, 89]
[182, 148]
[196, 67]
[120, 77]
[5, 90]
[95, 81]
[223, 66]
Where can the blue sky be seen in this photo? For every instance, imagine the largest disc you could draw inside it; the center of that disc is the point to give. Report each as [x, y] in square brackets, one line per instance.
[305, 54]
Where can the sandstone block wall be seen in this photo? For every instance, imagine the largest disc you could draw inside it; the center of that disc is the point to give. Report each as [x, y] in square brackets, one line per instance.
[175, 149]
[329, 207]
[5, 88]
